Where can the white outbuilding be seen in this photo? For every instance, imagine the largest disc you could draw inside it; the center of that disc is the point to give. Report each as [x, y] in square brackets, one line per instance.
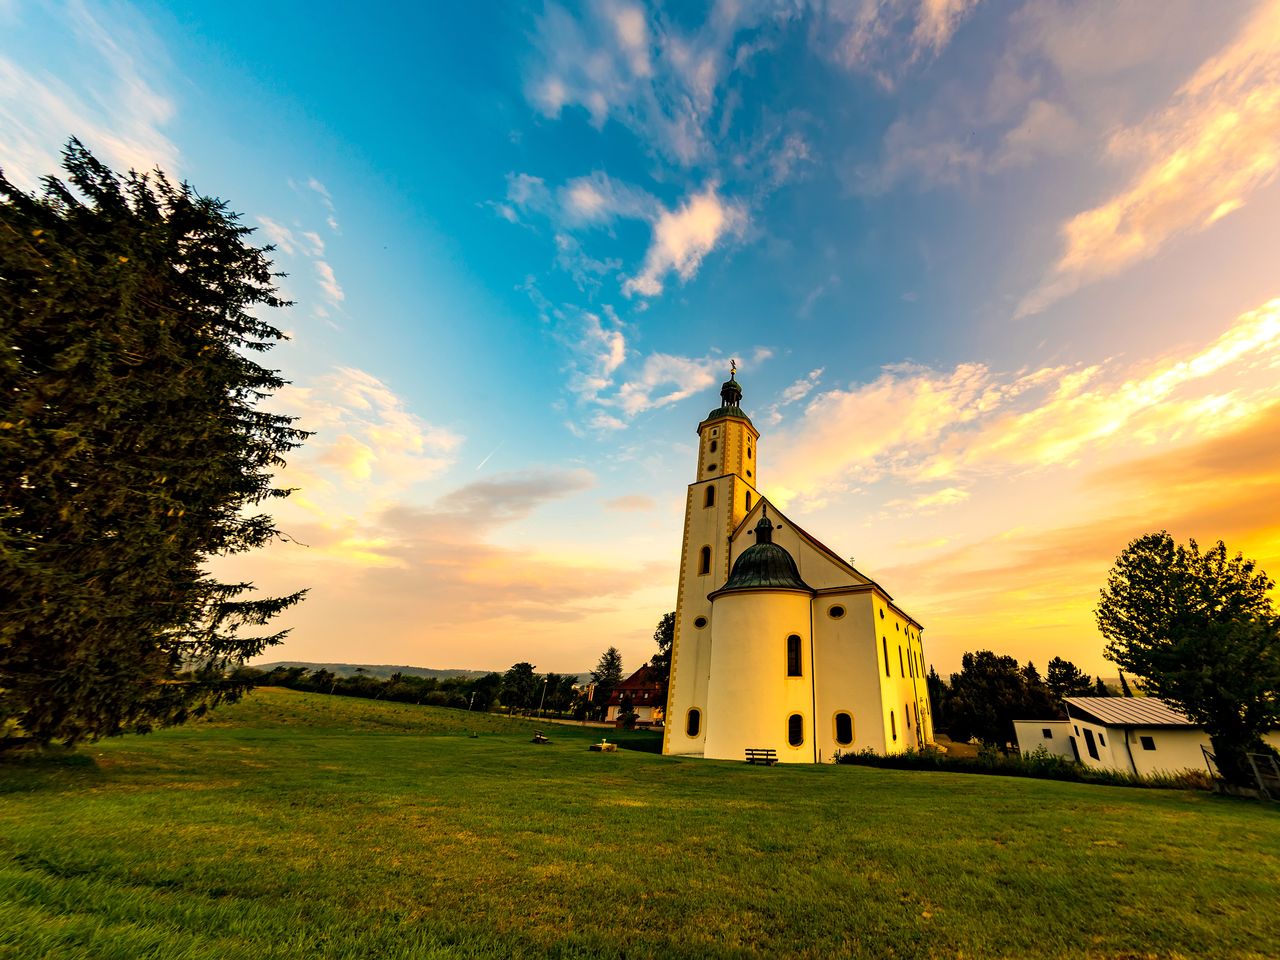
[1141, 735]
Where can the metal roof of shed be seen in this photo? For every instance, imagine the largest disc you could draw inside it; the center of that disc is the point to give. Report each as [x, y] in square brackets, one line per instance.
[1128, 711]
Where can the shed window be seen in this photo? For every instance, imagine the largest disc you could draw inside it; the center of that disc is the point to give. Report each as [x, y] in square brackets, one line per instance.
[693, 722]
[1148, 743]
[885, 644]
[1102, 740]
[711, 497]
[795, 730]
[704, 561]
[1047, 733]
[844, 729]
[793, 656]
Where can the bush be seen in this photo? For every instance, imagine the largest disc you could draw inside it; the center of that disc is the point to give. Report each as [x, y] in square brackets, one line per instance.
[1041, 765]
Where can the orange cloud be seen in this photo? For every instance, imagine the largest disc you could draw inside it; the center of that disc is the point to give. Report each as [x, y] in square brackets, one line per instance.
[1216, 143]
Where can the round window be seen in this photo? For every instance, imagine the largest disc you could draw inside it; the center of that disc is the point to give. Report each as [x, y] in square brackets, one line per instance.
[700, 622]
[836, 612]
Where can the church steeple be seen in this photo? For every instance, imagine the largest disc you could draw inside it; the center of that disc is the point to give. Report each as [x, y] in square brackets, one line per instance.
[730, 397]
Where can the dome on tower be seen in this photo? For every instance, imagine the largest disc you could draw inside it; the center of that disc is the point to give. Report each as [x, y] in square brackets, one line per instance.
[764, 565]
[730, 400]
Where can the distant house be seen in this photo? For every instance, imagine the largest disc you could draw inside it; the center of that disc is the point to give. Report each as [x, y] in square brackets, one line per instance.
[648, 696]
[1142, 735]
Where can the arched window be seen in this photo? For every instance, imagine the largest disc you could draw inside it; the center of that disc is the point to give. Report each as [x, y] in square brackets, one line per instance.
[902, 667]
[748, 451]
[693, 722]
[884, 643]
[916, 708]
[711, 497]
[793, 656]
[844, 729]
[906, 715]
[714, 444]
[748, 499]
[795, 730]
[704, 561]
[893, 725]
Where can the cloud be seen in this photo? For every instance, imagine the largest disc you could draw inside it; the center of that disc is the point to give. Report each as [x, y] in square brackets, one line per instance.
[665, 379]
[930, 502]
[280, 236]
[683, 237]
[599, 351]
[329, 283]
[322, 192]
[1215, 144]
[368, 447]
[919, 424]
[107, 96]
[631, 503]
[883, 38]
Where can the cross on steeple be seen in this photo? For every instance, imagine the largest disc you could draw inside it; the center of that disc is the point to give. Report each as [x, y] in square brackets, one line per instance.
[733, 369]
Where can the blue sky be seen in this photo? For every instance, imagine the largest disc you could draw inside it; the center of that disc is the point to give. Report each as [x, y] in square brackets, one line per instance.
[999, 277]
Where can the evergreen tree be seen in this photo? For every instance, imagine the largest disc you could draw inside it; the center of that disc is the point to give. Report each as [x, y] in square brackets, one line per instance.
[1100, 689]
[1200, 631]
[989, 693]
[1064, 679]
[135, 448]
[1124, 686]
[607, 675]
[938, 695]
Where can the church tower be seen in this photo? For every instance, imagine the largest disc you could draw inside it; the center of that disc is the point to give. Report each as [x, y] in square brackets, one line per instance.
[721, 495]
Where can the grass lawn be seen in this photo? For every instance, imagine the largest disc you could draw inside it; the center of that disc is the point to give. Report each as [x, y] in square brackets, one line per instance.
[299, 825]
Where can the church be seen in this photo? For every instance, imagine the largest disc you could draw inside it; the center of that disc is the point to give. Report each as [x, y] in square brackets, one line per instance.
[779, 642]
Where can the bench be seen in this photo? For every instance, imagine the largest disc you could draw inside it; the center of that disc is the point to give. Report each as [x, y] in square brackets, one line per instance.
[767, 755]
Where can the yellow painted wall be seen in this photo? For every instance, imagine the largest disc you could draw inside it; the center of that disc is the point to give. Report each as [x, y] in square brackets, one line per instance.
[751, 695]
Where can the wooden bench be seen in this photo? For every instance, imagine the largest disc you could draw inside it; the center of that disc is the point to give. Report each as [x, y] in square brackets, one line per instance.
[767, 755]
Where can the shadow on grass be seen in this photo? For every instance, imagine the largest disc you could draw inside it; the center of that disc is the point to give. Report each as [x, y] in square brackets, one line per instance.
[27, 769]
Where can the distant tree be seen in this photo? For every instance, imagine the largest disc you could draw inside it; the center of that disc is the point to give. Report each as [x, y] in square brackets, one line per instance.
[552, 700]
[627, 715]
[938, 694]
[1200, 630]
[135, 447]
[1064, 679]
[1100, 688]
[607, 675]
[1124, 686]
[664, 636]
[518, 685]
[484, 691]
[989, 693]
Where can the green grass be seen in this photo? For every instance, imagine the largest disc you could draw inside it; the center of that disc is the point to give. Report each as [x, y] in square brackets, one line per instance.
[297, 825]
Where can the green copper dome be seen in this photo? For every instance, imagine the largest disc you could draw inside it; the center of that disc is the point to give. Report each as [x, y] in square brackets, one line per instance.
[730, 400]
[764, 565]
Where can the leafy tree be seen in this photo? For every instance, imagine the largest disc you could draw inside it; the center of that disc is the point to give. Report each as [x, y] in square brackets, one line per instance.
[484, 691]
[989, 693]
[1200, 630]
[518, 685]
[664, 636]
[135, 448]
[607, 675]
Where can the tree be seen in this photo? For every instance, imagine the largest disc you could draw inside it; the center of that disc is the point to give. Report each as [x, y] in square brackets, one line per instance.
[518, 684]
[1200, 631]
[664, 636]
[938, 695]
[1100, 688]
[1124, 686]
[135, 448]
[989, 693]
[607, 675]
[1064, 679]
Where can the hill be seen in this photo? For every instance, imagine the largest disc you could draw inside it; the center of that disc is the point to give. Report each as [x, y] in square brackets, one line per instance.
[373, 669]
[296, 825]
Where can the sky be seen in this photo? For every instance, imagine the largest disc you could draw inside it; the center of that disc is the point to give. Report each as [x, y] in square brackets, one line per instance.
[1000, 279]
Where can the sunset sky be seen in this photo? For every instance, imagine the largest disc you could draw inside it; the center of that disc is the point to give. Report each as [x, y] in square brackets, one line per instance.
[1002, 280]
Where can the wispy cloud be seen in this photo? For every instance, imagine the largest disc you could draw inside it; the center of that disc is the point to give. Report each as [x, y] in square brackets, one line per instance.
[1201, 158]
[329, 283]
[683, 237]
[115, 105]
[883, 38]
[320, 190]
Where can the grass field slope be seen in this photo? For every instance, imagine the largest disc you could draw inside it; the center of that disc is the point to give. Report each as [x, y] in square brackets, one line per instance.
[298, 825]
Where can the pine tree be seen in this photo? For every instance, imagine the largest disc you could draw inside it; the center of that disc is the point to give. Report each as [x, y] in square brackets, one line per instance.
[135, 448]
[1124, 686]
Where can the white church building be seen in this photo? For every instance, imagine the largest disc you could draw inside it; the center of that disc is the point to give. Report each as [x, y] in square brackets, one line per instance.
[779, 642]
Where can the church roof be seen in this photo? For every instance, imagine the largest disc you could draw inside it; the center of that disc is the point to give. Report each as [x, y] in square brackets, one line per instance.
[764, 565]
